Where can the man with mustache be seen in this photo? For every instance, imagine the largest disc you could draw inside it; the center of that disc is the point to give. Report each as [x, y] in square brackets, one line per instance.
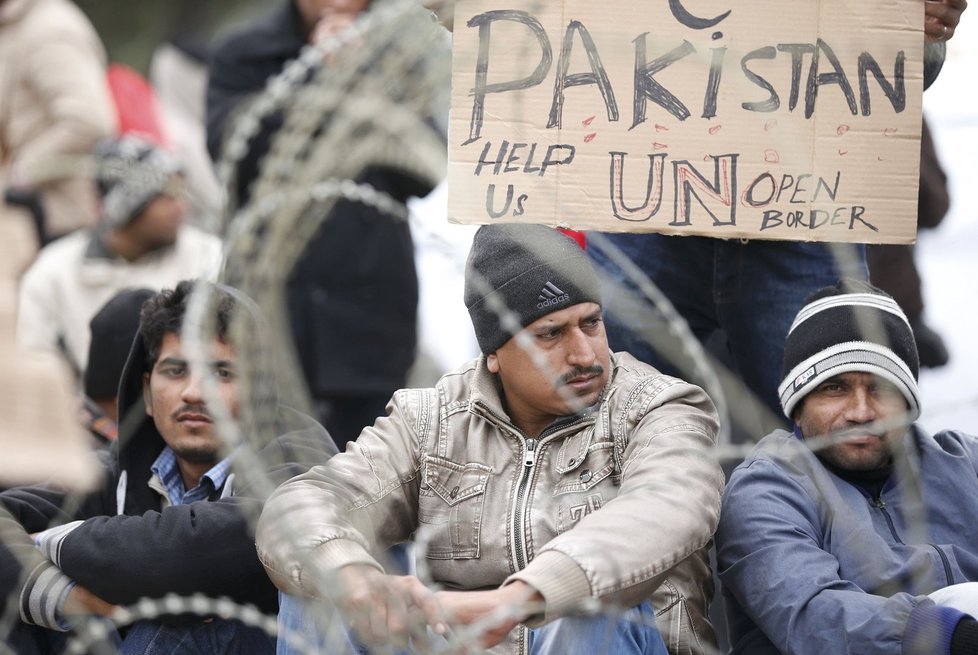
[544, 480]
[858, 532]
[175, 511]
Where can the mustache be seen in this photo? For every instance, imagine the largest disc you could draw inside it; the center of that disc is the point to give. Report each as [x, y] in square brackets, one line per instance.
[580, 372]
[191, 409]
[852, 430]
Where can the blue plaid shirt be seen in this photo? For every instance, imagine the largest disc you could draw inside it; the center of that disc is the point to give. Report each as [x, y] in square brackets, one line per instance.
[166, 469]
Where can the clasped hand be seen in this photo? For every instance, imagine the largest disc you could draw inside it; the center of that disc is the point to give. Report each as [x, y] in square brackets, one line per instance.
[395, 611]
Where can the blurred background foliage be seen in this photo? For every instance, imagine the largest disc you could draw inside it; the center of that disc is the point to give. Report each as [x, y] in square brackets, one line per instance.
[132, 29]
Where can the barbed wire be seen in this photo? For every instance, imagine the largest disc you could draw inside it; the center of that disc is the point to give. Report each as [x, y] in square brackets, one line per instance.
[374, 94]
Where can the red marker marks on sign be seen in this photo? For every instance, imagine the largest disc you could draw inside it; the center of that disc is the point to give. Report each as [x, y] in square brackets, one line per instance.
[842, 129]
[843, 153]
[590, 137]
[890, 131]
[772, 156]
[661, 128]
[659, 146]
[587, 121]
[770, 125]
[714, 129]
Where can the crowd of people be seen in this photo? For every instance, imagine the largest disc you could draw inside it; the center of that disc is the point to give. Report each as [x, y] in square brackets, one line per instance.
[559, 493]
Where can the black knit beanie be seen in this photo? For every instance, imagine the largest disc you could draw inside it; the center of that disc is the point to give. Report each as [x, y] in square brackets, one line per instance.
[529, 270]
[130, 171]
[849, 327]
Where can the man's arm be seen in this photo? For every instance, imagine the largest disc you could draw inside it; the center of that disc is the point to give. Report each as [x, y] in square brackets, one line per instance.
[18, 554]
[67, 70]
[204, 547]
[342, 513]
[37, 508]
[771, 560]
[45, 596]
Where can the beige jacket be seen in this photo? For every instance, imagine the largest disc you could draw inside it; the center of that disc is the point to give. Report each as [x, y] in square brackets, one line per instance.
[54, 106]
[619, 504]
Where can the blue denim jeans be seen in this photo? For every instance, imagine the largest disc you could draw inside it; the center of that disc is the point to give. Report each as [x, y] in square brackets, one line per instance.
[306, 627]
[26, 639]
[632, 632]
[749, 289]
[227, 637]
[217, 637]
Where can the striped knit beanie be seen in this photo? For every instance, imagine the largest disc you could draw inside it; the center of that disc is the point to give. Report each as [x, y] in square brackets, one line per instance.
[852, 327]
[130, 172]
[524, 272]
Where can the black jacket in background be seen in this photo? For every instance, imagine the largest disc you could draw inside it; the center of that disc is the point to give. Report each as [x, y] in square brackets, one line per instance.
[353, 295]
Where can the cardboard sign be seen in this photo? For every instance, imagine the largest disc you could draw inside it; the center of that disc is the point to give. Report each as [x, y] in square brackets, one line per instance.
[768, 119]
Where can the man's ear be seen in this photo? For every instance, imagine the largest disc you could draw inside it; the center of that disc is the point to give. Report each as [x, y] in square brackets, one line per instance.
[147, 396]
[796, 414]
[492, 363]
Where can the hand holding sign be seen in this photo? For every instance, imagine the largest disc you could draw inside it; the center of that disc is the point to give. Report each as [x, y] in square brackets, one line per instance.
[626, 115]
[941, 17]
[327, 19]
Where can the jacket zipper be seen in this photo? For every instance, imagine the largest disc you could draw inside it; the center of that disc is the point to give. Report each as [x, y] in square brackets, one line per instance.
[947, 565]
[519, 507]
[878, 501]
[948, 575]
[519, 503]
[529, 461]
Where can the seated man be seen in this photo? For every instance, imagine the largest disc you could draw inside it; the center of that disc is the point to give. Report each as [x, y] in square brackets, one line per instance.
[851, 534]
[175, 510]
[141, 241]
[541, 478]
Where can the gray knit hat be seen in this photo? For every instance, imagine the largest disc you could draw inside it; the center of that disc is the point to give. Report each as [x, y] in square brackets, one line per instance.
[130, 172]
[852, 327]
[529, 270]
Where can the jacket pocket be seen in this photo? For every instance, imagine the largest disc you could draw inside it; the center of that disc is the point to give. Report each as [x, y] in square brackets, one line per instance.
[586, 470]
[683, 632]
[451, 503]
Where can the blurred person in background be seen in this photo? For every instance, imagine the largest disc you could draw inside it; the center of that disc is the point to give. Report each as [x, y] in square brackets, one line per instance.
[892, 267]
[178, 72]
[113, 329]
[353, 294]
[141, 240]
[54, 106]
